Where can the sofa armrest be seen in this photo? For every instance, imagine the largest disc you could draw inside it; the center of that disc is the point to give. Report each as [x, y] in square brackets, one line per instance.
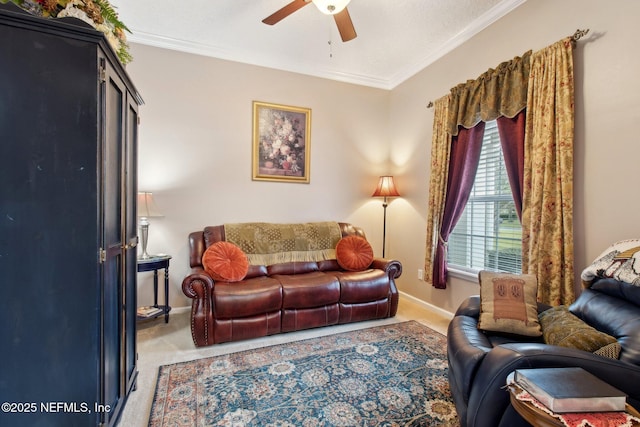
[489, 401]
[470, 307]
[195, 284]
[391, 266]
[393, 270]
[466, 348]
[199, 286]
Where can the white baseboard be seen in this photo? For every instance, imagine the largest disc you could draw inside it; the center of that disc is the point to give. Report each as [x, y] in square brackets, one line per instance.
[427, 305]
[184, 309]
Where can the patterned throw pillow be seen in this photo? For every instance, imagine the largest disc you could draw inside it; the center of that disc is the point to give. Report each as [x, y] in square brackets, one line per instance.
[509, 303]
[225, 261]
[354, 253]
[563, 328]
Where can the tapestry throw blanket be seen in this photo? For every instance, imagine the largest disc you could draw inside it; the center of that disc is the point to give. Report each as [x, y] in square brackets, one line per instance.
[269, 243]
[392, 375]
[620, 261]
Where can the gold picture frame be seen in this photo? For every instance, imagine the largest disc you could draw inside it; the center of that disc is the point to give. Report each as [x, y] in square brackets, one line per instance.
[281, 143]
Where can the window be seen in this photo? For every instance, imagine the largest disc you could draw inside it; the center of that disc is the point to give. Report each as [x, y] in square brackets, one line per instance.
[488, 236]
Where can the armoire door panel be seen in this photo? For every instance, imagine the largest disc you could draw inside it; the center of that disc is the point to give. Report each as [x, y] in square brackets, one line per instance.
[131, 232]
[67, 235]
[115, 264]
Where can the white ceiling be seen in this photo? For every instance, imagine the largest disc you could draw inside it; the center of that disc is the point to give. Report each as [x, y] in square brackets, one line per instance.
[396, 38]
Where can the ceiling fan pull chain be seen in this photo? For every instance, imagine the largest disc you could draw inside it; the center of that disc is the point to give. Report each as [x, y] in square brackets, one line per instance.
[330, 42]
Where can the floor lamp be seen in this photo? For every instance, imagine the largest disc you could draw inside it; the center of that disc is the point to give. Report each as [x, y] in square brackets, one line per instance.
[386, 188]
[146, 209]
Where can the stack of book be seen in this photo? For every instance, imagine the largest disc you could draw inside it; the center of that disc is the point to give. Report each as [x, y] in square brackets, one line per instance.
[570, 390]
[149, 311]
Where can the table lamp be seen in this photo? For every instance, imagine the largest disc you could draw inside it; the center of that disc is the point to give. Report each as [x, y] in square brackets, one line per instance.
[146, 209]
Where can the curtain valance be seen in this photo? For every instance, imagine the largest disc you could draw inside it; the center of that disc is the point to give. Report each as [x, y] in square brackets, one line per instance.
[497, 92]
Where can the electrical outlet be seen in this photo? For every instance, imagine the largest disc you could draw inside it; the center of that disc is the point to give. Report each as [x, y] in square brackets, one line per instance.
[420, 274]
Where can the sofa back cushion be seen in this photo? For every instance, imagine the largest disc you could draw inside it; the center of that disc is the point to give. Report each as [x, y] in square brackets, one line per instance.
[292, 268]
[274, 243]
[613, 315]
[199, 241]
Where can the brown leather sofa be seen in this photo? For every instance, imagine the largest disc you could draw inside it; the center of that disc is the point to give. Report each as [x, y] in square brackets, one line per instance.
[284, 297]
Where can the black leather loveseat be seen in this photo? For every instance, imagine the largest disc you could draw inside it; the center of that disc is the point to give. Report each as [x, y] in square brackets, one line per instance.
[479, 362]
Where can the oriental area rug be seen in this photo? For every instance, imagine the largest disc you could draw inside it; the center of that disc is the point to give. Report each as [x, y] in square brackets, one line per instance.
[392, 375]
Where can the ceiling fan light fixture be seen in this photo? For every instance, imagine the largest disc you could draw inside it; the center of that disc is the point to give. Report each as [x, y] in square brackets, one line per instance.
[331, 7]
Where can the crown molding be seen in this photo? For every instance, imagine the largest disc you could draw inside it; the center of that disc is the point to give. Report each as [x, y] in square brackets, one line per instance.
[379, 82]
[463, 36]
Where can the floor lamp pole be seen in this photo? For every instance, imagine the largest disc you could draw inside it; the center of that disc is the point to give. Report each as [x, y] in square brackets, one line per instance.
[384, 226]
[386, 188]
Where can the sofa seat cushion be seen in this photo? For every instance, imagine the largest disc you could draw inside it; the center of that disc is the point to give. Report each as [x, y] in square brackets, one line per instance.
[308, 290]
[246, 298]
[363, 286]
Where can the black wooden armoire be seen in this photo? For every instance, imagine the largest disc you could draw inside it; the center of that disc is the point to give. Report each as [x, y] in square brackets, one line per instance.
[68, 146]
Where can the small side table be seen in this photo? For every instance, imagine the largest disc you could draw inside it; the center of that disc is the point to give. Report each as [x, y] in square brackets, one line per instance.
[536, 416]
[155, 263]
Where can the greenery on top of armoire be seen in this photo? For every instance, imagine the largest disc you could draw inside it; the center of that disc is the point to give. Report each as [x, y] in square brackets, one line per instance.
[100, 14]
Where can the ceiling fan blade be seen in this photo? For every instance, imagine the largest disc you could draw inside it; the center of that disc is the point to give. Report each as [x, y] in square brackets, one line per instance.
[285, 11]
[345, 25]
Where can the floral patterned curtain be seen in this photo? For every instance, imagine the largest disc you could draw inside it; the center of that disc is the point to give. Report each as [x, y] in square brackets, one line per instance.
[440, 152]
[498, 92]
[547, 214]
[541, 84]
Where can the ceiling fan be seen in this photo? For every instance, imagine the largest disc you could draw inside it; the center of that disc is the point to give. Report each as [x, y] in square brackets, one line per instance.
[337, 8]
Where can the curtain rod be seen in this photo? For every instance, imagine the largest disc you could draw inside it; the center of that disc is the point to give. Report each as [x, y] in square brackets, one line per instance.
[574, 38]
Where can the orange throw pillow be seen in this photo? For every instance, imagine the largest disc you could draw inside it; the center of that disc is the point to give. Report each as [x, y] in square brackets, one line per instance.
[225, 261]
[354, 253]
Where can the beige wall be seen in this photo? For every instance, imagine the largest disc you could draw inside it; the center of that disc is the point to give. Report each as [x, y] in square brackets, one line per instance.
[607, 109]
[195, 140]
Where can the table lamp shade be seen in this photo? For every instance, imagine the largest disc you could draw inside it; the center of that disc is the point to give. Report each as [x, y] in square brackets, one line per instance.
[146, 205]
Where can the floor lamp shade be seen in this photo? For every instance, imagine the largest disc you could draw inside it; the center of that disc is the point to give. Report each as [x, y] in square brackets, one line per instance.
[386, 188]
[146, 209]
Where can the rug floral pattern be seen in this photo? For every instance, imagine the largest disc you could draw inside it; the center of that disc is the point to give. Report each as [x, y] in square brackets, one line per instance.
[393, 375]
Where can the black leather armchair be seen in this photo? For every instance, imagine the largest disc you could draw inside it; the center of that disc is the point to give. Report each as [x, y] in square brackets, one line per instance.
[479, 362]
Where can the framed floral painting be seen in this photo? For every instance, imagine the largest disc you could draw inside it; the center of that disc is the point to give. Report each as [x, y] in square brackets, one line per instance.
[281, 143]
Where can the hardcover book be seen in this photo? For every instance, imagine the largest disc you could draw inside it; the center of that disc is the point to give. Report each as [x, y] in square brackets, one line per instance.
[570, 390]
